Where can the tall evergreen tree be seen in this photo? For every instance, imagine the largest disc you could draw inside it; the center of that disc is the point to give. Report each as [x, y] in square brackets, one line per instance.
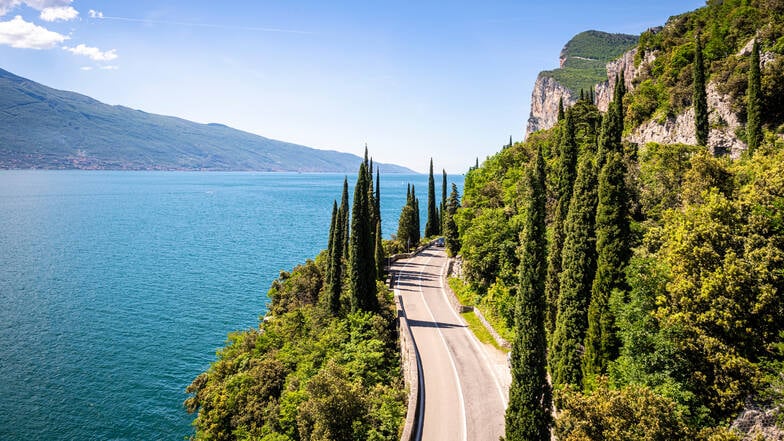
[378, 196]
[451, 235]
[565, 173]
[579, 266]
[334, 279]
[754, 102]
[442, 214]
[362, 262]
[528, 414]
[416, 231]
[561, 113]
[700, 97]
[380, 259]
[431, 226]
[331, 242]
[613, 244]
[344, 217]
[612, 123]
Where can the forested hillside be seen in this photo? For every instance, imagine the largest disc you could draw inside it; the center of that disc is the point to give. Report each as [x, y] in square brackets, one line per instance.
[658, 301]
[324, 362]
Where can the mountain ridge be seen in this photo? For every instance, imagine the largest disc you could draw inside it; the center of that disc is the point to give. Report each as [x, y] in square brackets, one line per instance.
[49, 128]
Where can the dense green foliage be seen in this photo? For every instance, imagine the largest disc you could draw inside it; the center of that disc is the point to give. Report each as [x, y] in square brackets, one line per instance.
[565, 170]
[324, 363]
[684, 324]
[528, 414]
[362, 249]
[304, 374]
[613, 249]
[585, 57]
[579, 266]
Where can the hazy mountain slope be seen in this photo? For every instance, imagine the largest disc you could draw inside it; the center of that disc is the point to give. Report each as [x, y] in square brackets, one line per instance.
[49, 128]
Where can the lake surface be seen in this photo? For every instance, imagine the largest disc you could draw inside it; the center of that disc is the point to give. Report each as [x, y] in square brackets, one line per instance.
[116, 288]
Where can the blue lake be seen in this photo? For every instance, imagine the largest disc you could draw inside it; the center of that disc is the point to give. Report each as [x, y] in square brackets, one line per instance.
[116, 288]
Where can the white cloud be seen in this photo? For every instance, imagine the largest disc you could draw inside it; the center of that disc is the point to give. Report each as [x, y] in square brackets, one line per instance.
[95, 14]
[63, 13]
[25, 35]
[92, 52]
[111, 67]
[7, 6]
[86, 68]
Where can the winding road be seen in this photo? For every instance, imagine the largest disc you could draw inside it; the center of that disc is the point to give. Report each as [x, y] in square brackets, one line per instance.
[466, 383]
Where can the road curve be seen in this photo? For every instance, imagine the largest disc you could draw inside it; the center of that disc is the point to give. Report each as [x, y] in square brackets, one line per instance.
[466, 383]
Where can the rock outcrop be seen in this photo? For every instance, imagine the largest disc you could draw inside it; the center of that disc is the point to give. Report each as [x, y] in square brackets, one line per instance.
[544, 103]
[724, 123]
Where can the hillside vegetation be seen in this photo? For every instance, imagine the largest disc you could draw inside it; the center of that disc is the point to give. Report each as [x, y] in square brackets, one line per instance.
[585, 57]
[660, 297]
[726, 29]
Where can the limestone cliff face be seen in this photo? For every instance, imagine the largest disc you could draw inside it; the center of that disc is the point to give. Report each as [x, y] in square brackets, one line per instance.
[681, 128]
[544, 103]
[724, 123]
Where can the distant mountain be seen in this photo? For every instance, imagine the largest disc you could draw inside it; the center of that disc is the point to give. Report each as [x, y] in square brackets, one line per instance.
[54, 129]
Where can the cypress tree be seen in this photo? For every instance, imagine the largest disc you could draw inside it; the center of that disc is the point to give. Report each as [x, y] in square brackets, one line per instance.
[700, 96]
[560, 109]
[344, 217]
[331, 242]
[528, 414]
[612, 123]
[334, 279]
[451, 236]
[416, 226]
[754, 102]
[442, 213]
[431, 226]
[371, 202]
[362, 250]
[579, 266]
[378, 196]
[613, 237]
[565, 171]
[593, 97]
[379, 252]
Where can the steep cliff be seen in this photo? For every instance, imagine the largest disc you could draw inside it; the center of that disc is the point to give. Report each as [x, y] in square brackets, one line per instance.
[544, 103]
[582, 65]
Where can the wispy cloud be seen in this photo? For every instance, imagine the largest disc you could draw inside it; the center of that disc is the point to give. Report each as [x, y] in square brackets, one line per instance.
[100, 15]
[110, 67]
[22, 34]
[86, 68]
[60, 13]
[93, 53]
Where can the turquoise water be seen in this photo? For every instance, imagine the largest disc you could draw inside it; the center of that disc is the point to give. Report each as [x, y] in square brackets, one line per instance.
[116, 288]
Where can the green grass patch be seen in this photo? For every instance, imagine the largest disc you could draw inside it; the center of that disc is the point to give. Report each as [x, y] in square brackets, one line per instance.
[476, 326]
[465, 295]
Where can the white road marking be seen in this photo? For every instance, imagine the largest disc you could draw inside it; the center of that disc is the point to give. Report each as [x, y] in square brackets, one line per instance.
[475, 343]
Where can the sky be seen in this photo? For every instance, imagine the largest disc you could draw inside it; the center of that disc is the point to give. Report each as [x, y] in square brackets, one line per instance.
[413, 80]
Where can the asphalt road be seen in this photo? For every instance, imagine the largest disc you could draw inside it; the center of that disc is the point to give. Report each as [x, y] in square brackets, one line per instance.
[466, 382]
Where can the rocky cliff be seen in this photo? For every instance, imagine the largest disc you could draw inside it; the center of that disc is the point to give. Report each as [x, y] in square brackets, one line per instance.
[679, 128]
[544, 103]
